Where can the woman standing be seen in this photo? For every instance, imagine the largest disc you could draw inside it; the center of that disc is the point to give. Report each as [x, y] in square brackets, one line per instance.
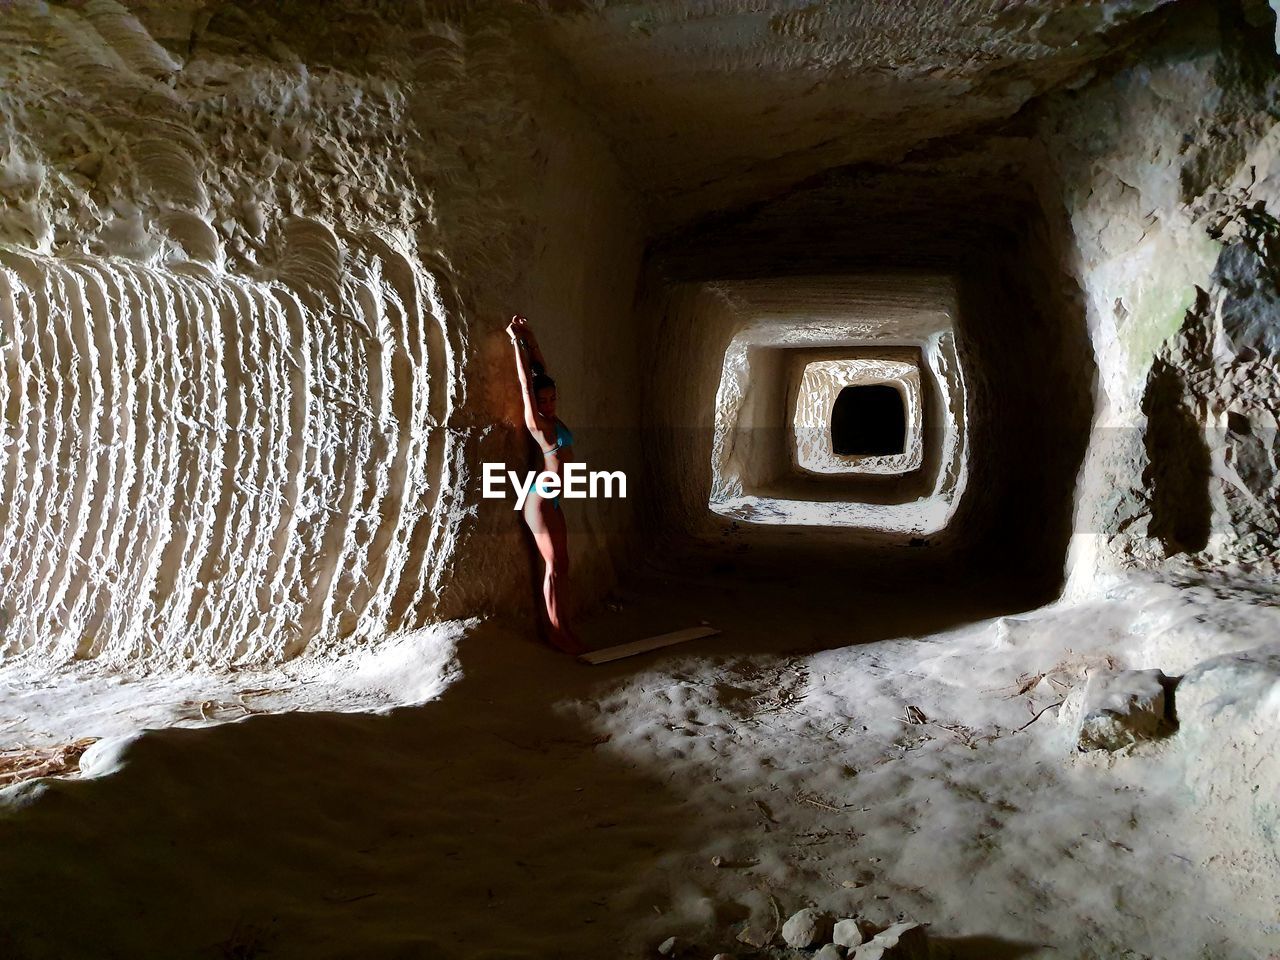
[542, 509]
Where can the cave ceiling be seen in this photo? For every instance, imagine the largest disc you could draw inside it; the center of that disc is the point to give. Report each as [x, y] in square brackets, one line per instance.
[713, 103]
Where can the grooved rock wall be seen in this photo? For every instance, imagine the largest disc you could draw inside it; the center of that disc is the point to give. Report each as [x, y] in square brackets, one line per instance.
[204, 467]
[253, 275]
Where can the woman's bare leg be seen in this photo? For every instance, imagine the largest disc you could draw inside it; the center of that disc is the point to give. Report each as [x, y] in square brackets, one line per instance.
[551, 535]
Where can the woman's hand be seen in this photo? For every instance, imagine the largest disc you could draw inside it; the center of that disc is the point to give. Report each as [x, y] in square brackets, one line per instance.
[516, 328]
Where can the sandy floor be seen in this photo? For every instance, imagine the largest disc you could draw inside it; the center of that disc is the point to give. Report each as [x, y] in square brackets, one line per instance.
[846, 743]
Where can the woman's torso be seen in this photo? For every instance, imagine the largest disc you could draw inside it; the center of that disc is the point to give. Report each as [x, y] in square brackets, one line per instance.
[559, 451]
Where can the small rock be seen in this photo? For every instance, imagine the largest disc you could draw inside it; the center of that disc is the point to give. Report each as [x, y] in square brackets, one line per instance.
[847, 933]
[723, 956]
[829, 952]
[755, 935]
[804, 929]
[671, 947]
[902, 941]
[1122, 707]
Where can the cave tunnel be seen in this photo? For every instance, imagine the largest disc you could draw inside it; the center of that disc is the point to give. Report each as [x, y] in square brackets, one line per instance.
[563, 479]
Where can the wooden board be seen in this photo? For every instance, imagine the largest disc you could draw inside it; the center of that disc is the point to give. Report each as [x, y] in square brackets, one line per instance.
[622, 650]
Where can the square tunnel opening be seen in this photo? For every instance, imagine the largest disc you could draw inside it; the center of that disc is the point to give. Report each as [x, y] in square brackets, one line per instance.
[868, 421]
[961, 273]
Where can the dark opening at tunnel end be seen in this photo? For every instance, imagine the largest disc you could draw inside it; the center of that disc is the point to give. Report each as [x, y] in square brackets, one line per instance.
[868, 420]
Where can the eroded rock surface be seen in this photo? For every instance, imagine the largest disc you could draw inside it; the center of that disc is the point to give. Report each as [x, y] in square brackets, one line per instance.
[1121, 708]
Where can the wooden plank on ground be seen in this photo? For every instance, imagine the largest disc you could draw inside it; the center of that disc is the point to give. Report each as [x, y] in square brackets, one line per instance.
[622, 650]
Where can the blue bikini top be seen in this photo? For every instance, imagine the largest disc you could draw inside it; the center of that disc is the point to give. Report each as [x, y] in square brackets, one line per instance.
[564, 438]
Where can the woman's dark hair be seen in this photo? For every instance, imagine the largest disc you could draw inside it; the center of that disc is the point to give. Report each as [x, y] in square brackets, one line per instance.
[542, 382]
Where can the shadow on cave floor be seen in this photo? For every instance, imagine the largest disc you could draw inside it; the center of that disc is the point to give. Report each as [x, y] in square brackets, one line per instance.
[484, 823]
[493, 821]
[780, 600]
[543, 809]
[490, 822]
[986, 948]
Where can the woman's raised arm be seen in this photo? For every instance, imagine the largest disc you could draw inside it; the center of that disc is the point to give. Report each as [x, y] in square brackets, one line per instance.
[535, 351]
[515, 330]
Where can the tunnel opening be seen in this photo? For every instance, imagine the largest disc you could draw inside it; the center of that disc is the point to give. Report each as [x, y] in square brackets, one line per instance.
[967, 266]
[869, 421]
